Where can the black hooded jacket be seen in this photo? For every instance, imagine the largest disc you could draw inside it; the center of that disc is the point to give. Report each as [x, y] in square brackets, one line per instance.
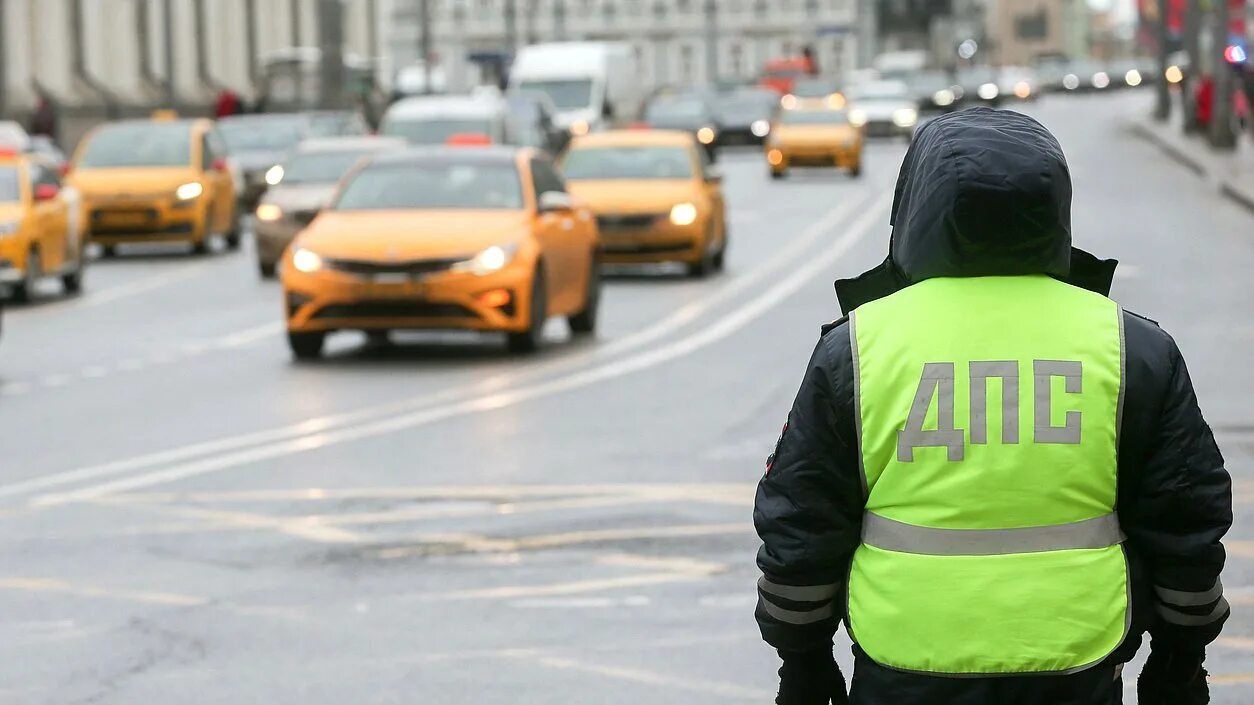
[988, 192]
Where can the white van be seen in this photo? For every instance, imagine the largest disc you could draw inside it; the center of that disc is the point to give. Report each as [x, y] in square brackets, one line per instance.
[436, 119]
[593, 85]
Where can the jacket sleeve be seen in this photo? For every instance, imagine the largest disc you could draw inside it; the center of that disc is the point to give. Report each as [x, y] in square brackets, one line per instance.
[808, 509]
[1176, 499]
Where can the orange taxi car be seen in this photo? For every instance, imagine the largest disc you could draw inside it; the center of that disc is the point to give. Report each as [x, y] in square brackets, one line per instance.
[39, 227]
[480, 238]
[813, 133]
[656, 197]
[164, 180]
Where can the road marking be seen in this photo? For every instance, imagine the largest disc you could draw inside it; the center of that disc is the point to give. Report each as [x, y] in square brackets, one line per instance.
[62, 587]
[671, 683]
[320, 432]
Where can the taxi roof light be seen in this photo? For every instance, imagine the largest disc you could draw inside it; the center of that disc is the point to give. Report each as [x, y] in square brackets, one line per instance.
[468, 139]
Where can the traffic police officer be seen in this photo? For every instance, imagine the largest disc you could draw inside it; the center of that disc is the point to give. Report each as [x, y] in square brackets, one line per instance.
[993, 474]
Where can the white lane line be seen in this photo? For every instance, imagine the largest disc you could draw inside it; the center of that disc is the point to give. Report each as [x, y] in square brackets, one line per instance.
[684, 683]
[123, 291]
[723, 327]
[13, 389]
[683, 316]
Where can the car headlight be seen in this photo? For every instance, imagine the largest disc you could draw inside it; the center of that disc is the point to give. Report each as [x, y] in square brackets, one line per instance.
[1071, 81]
[489, 260]
[706, 135]
[189, 191]
[1100, 80]
[760, 128]
[788, 102]
[579, 128]
[684, 214]
[988, 91]
[1174, 74]
[905, 117]
[857, 117]
[306, 261]
[9, 228]
[943, 98]
[269, 212]
[1023, 90]
[274, 175]
[1132, 78]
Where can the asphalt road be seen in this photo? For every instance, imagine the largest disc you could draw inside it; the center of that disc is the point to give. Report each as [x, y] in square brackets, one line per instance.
[188, 516]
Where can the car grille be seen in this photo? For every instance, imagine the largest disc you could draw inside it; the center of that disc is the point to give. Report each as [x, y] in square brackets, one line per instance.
[384, 308]
[411, 268]
[626, 222]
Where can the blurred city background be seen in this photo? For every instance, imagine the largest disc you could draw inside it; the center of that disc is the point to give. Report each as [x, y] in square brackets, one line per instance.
[391, 351]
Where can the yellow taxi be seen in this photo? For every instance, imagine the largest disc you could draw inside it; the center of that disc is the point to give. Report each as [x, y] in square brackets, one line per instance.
[478, 237]
[813, 133]
[164, 180]
[39, 227]
[656, 197]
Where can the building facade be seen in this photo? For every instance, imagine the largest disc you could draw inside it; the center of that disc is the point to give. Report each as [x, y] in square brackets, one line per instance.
[1021, 31]
[671, 38]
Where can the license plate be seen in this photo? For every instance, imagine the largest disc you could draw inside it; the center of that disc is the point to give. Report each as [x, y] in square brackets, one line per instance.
[391, 278]
[404, 289]
[123, 220]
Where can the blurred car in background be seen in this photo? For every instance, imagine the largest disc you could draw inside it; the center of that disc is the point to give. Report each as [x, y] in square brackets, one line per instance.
[934, 91]
[781, 74]
[1085, 76]
[691, 112]
[592, 85]
[883, 108]
[979, 86]
[818, 88]
[531, 121]
[147, 181]
[13, 135]
[745, 115]
[655, 195]
[336, 123]
[257, 143]
[1132, 73]
[305, 183]
[43, 147]
[40, 227]
[444, 238]
[433, 120]
[814, 135]
[1018, 83]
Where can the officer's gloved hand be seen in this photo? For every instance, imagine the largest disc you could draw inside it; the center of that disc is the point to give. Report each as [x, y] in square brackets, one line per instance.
[1173, 676]
[810, 678]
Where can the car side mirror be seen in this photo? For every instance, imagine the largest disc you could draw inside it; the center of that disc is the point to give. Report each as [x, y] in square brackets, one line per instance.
[555, 202]
[46, 192]
[305, 217]
[219, 165]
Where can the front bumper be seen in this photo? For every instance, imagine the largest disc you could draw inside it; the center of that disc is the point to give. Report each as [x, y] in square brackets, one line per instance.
[732, 136]
[114, 222]
[841, 157]
[887, 128]
[331, 300]
[649, 238]
[9, 273]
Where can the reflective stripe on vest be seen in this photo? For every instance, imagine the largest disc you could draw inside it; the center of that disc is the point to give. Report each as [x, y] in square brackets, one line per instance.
[988, 410]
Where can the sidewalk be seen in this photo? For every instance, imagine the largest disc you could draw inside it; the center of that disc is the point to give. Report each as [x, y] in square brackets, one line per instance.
[1231, 173]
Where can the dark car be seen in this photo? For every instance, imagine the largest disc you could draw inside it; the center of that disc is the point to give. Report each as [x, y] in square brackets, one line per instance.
[693, 112]
[745, 115]
[979, 86]
[934, 91]
[531, 122]
[258, 143]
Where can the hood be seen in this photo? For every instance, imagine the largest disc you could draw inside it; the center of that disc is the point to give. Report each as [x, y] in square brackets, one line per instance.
[981, 192]
[299, 197]
[632, 196]
[131, 181]
[258, 160]
[409, 235]
[804, 135]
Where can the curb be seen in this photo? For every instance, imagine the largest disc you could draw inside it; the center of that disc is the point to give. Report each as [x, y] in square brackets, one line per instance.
[1226, 187]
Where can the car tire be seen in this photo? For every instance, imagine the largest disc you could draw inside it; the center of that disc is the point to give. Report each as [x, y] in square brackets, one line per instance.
[107, 251]
[306, 346]
[856, 170]
[267, 270]
[529, 341]
[778, 173]
[719, 261]
[585, 321]
[201, 246]
[72, 282]
[234, 236]
[24, 290]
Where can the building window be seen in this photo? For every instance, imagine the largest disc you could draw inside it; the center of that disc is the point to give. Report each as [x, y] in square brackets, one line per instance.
[1032, 26]
[737, 60]
[685, 63]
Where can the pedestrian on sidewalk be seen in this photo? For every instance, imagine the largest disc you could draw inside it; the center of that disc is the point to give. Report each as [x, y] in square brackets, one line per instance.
[996, 477]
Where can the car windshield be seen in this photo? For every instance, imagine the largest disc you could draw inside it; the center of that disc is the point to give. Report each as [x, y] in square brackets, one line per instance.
[881, 90]
[9, 191]
[566, 94]
[250, 134]
[813, 117]
[331, 125]
[758, 104]
[435, 130]
[320, 167]
[139, 144]
[437, 186]
[784, 73]
[628, 163]
[680, 109]
[813, 89]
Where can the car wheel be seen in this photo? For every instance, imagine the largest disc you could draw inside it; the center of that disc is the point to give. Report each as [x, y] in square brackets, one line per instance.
[720, 258]
[529, 340]
[72, 282]
[778, 173]
[25, 289]
[306, 346]
[266, 269]
[201, 246]
[856, 170]
[234, 237]
[585, 322]
[108, 251]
